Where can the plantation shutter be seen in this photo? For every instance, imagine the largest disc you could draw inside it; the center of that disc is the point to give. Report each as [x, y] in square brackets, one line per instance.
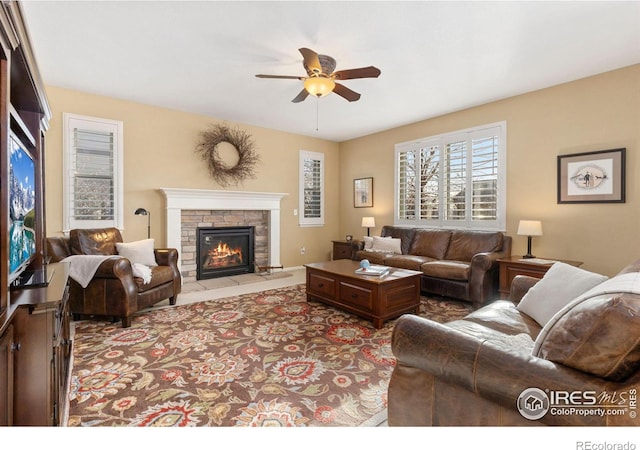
[484, 201]
[92, 197]
[430, 182]
[93, 172]
[457, 179]
[312, 188]
[407, 163]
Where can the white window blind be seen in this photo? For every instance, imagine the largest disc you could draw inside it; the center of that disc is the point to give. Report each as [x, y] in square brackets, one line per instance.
[93, 172]
[456, 179]
[311, 188]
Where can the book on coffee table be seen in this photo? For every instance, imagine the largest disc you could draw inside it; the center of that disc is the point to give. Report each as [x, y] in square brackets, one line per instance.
[374, 270]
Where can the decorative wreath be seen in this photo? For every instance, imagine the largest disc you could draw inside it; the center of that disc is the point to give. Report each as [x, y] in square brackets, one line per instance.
[241, 141]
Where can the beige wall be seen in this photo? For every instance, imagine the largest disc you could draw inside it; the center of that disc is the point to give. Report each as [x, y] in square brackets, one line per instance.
[597, 113]
[159, 151]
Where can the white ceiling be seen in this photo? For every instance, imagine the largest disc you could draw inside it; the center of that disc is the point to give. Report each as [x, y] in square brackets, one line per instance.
[435, 57]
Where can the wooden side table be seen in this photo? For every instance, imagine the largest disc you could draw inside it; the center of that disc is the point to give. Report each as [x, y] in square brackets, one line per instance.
[341, 249]
[517, 265]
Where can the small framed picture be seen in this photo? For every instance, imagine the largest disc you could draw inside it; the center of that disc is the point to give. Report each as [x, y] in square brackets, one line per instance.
[363, 192]
[349, 238]
[593, 177]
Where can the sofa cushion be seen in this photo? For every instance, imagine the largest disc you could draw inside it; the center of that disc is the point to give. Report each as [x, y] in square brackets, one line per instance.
[58, 248]
[452, 270]
[96, 241]
[599, 332]
[404, 234]
[140, 252]
[386, 245]
[411, 262]
[159, 275]
[560, 285]
[503, 316]
[431, 243]
[465, 244]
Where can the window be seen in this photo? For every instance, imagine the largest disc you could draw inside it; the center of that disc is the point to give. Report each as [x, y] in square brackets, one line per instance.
[311, 189]
[92, 186]
[455, 180]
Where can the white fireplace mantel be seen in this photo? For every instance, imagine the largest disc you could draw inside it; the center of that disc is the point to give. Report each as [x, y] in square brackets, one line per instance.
[205, 199]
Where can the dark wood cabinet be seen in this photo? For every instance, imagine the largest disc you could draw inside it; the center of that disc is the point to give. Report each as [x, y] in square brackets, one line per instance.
[341, 250]
[6, 377]
[34, 354]
[42, 350]
[517, 265]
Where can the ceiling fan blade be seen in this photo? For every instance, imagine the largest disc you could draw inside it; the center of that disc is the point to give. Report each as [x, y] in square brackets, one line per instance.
[288, 77]
[346, 93]
[301, 96]
[311, 61]
[362, 72]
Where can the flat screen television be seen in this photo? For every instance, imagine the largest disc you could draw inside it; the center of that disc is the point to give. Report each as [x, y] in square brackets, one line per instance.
[22, 211]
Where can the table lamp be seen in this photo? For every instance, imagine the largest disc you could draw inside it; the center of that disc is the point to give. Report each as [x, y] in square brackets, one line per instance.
[368, 223]
[529, 228]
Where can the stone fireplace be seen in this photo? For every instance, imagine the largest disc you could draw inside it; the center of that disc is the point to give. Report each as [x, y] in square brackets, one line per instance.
[189, 209]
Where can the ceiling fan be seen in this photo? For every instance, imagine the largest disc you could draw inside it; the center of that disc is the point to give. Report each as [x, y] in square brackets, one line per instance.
[321, 78]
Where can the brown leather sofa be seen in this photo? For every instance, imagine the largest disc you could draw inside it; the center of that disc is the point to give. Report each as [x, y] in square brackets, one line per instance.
[455, 263]
[114, 291]
[484, 369]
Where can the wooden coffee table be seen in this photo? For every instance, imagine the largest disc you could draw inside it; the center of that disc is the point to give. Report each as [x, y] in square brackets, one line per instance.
[375, 298]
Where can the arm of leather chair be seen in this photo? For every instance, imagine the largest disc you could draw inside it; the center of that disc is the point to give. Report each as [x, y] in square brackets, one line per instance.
[436, 349]
[117, 267]
[492, 369]
[166, 256]
[483, 279]
[111, 292]
[520, 286]
[169, 257]
[356, 245]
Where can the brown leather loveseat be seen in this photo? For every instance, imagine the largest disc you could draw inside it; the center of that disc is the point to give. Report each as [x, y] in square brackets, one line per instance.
[454, 263]
[114, 291]
[499, 366]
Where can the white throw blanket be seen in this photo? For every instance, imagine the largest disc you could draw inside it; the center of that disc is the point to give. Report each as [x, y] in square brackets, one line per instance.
[82, 268]
[142, 271]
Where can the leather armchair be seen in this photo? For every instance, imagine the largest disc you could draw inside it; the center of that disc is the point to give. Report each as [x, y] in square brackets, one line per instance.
[114, 291]
[479, 370]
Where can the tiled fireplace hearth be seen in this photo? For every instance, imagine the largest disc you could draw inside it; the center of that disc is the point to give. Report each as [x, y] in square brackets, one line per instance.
[188, 209]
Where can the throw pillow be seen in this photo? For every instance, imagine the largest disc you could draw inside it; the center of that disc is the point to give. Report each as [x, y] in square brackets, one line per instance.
[386, 245]
[140, 252]
[368, 242]
[559, 286]
[597, 334]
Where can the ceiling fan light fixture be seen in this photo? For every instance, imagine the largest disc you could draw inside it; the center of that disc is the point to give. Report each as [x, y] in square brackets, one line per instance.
[319, 86]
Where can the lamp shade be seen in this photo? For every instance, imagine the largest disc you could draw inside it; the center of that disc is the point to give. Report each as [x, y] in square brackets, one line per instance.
[319, 86]
[368, 222]
[530, 228]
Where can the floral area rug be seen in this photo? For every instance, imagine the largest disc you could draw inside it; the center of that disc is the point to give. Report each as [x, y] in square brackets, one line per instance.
[265, 359]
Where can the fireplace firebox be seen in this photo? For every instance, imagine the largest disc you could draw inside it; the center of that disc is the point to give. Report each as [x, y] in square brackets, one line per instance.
[224, 251]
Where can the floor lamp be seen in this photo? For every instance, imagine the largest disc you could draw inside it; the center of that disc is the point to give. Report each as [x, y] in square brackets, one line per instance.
[144, 212]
